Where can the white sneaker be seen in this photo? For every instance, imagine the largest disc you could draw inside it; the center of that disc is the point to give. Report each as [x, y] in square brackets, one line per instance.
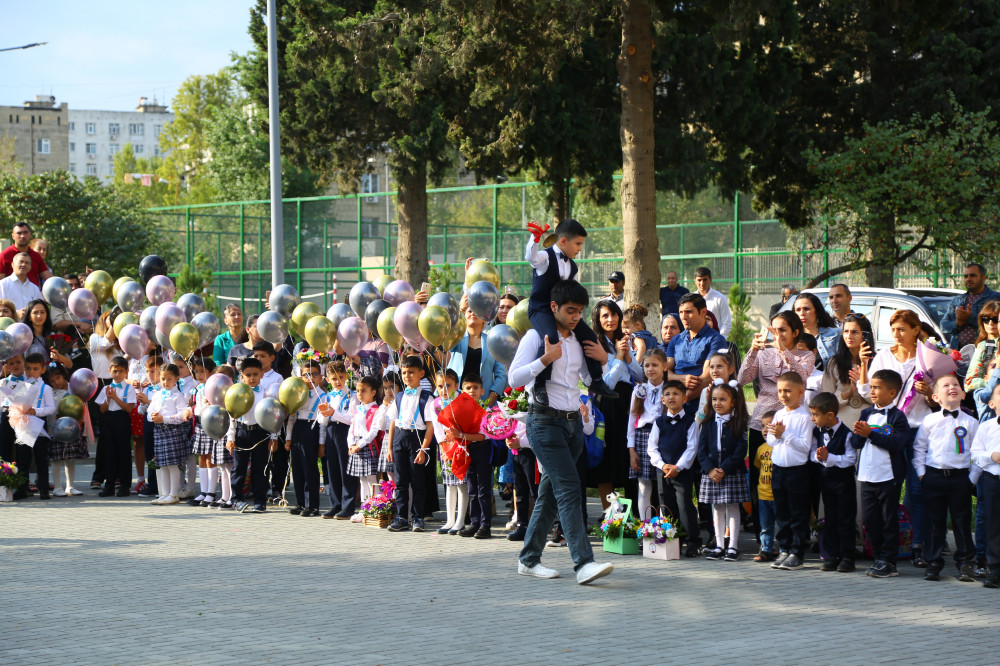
[59, 492]
[358, 518]
[591, 571]
[170, 499]
[74, 492]
[538, 571]
[186, 494]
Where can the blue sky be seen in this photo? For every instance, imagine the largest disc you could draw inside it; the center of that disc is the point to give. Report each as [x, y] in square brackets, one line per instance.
[108, 54]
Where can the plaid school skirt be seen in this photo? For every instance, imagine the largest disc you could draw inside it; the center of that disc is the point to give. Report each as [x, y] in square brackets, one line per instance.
[75, 450]
[641, 448]
[171, 443]
[201, 443]
[362, 463]
[220, 454]
[384, 465]
[732, 490]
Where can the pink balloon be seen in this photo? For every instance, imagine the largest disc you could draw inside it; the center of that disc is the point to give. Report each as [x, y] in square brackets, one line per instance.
[215, 389]
[398, 292]
[160, 289]
[134, 340]
[83, 303]
[352, 334]
[419, 343]
[405, 319]
[22, 337]
[167, 316]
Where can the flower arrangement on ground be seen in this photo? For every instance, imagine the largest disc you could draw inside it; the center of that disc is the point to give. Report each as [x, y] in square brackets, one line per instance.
[381, 505]
[9, 476]
[658, 529]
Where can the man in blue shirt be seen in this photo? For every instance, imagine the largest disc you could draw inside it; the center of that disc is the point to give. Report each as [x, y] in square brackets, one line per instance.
[961, 321]
[670, 296]
[688, 351]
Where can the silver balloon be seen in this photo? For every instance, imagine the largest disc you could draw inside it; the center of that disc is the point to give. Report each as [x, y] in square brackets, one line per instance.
[65, 429]
[160, 289]
[55, 291]
[6, 346]
[352, 334]
[215, 420]
[208, 326]
[192, 304]
[338, 312]
[83, 384]
[272, 326]
[168, 315]
[270, 414]
[283, 299]
[375, 308]
[162, 340]
[134, 340]
[448, 302]
[22, 337]
[362, 294]
[130, 297]
[484, 300]
[501, 343]
[83, 304]
[148, 320]
[398, 292]
[215, 390]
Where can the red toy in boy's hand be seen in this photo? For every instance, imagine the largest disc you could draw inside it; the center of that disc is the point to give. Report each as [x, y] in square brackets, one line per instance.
[536, 230]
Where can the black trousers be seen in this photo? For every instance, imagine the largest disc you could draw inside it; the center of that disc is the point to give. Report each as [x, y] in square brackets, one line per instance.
[545, 323]
[147, 446]
[279, 469]
[947, 491]
[254, 459]
[790, 486]
[675, 494]
[116, 439]
[305, 472]
[841, 509]
[880, 515]
[40, 454]
[525, 488]
[410, 476]
[337, 456]
[480, 481]
[989, 498]
[8, 447]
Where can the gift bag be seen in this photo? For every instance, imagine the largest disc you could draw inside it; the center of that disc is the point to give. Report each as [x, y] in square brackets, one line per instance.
[657, 544]
[621, 544]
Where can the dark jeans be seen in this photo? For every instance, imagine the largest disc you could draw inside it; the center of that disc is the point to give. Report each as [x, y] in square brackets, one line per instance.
[147, 446]
[880, 515]
[305, 472]
[841, 511]
[676, 495]
[255, 459]
[790, 486]
[116, 438]
[525, 488]
[279, 468]
[990, 499]
[947, 492]
[40, 454]
[8, 447]
[344, 493]
[558, 444]
[480, 481]
[545, 323]
[410, 476]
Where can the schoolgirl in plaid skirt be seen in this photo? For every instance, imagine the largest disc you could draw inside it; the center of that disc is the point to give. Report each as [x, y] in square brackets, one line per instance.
[202, 445]
[391, 383]
[645, 407]
[364, 439]
[171, 434]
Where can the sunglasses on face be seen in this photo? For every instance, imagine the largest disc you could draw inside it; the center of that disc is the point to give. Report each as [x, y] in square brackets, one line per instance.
[990, 320]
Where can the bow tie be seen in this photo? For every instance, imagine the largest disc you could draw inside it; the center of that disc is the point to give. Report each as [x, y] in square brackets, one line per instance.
[826, 431]
[18, 378]
[337, 392]
[116, 385]
[722, 418]
[164, 392]
[952, 414]
[880, 411]
[411, 391]
[256, 389]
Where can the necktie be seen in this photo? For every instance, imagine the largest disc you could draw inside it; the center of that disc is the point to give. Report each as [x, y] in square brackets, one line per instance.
[411, 391]
[948, 412]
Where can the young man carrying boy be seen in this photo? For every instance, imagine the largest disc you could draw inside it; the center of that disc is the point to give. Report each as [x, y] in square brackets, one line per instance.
[116, 402]
[250, 445]
[411, 438]
[480, 474]
[790, 437]
[882, 433]
[673, 444]
[837, 483]
[942, 457]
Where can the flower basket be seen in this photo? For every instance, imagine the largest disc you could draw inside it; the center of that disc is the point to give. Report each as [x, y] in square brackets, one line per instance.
[660, 538]
[10, 480]
[6, 495]
[619, 529]
[379, 509]
[381, 522]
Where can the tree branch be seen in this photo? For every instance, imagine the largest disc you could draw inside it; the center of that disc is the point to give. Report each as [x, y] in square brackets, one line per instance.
[861, 264]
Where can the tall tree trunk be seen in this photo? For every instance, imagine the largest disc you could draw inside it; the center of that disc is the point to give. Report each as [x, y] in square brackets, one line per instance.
[882, 245]
[560, 200]
[411, 209]
[638, 190]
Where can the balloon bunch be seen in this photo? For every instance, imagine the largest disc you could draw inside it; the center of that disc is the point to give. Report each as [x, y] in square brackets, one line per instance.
[483, 282]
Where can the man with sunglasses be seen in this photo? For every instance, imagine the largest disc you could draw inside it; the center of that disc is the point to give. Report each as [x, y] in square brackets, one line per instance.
[961, 322]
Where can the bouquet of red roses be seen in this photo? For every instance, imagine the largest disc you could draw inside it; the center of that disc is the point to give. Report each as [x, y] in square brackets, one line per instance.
[514, 403]
[62, 343]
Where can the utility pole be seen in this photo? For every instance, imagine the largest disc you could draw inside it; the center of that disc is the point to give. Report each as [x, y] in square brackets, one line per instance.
[277, 222]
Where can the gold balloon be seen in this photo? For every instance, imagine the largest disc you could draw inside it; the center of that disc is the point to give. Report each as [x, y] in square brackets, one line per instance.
[239, 400]
[482, 270]
[320, 333]
[456, 334]
[71, 406]
[387, 329]
[517, 317]
[123, 320]
[434, 323]
[381, 282]
[184, 338]
[302, 313]
[293, 393]
[101, 284]
[118, 283]
[5, 322]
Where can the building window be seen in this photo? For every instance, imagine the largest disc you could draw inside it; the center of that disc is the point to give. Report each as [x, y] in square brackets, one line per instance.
[91, 128]
[91, 148]
[42, 146]
[156, 131]
[156, 151]
[369, 184]
[91, 169]
[138, 150]
[136, 129]
[114, 148]
[72, 147]
[72, 126]
[113, 128]
[72, 167]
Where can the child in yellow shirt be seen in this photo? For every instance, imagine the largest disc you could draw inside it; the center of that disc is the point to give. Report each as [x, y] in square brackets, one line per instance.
[765, 498]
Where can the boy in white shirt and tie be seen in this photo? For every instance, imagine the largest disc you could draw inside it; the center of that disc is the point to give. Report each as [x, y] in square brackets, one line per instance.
[250, 445]
[986, 454]
[410, 438]
[837, 481]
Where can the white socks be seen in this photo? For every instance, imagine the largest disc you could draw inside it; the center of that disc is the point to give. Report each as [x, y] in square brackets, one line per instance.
[202, 482]
[724, 515]
[225, 472]
[462, 508]
[174, 476]
[69, 468]
[161, 482]
[451, 503]
[212, 474]
[645, 496]
[366, 486]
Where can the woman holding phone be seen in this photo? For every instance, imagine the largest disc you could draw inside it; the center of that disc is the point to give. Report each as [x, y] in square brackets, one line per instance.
[844, 369]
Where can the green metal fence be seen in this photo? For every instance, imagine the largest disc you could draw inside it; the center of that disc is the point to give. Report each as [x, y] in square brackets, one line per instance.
[332, 242]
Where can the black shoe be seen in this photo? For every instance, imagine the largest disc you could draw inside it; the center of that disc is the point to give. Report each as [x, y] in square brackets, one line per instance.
[332, 513]
[483, 533]
[829, 565]
[44, 494]
[918, 558]
[981, 570]
[468, 531]
[992, 580]
[692, 551]
[258, 508]
[518, 534]
[309, 513]
[123, 492]
[194, 502]
[20, 494]
[208, 501]
[600, 390]
[966, 572]
[344, 514]
[882, 569]
[845, 566]
[397, 525]
[295, 510]
[106, 492]
[932, 574]
[715, 554]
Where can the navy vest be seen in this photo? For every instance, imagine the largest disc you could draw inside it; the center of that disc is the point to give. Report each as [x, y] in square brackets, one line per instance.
[541, 285]
[838, 440]
[673, 438]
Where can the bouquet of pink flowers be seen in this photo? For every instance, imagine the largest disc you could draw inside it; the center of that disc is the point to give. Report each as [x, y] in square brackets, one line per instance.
[9, 476]
[497, 426]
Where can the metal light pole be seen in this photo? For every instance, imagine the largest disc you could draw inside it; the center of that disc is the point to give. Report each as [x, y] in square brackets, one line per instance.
[277, 222]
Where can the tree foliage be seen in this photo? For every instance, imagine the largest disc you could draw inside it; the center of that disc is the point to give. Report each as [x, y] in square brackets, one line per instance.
[126, 162]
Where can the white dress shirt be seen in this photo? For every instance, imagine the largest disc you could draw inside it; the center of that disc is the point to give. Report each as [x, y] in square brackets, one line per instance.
[124, 391]
[539, 259]
[359, 433]
[20, 293]
[248, 419]
[986, 443]
[793, 447]
[170, 404]
[874, 463]
[309, 411]
[687, 458]
[652, 407]
[849, 457]
[342, 401]
[270, 378]
[936, 444]
[718, 305]
[567, 371]
[886, 360]
[407, 416]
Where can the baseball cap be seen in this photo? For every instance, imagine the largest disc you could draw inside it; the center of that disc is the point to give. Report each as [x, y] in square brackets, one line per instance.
[617, 276]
